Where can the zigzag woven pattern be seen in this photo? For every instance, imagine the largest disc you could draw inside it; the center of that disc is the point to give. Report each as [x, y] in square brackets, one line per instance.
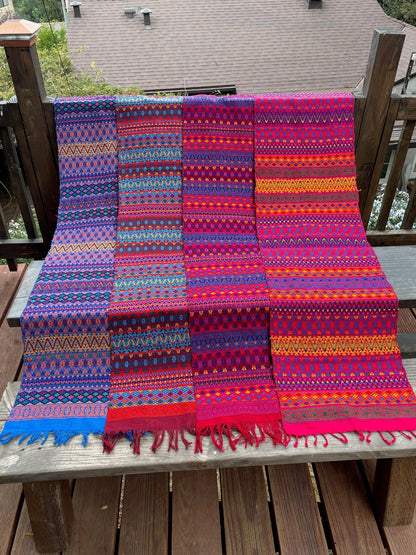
[205, 280]
[336, 361]
[226, 284]
[151, 386]
[65, 332]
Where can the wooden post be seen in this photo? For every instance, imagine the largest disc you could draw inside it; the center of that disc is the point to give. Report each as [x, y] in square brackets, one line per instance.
[379, 80]
[394, 490]
[18, 39]
[51, 515]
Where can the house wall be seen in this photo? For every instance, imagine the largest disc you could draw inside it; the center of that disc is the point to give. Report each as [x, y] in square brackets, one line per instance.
[5, 6]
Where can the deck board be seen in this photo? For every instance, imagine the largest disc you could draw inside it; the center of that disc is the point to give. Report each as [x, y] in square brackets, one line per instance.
[294, 501]
[196, 526]
[144, 526]
[96, 505]
[352, 522]
[72, 460]
[10, 497]
[9, 284]
[24, 543]
[246, 512]
[15, 527]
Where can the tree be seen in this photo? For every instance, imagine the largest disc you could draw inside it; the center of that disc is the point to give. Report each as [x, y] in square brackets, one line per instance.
[39, 10]
[404, 10]
[58, 74]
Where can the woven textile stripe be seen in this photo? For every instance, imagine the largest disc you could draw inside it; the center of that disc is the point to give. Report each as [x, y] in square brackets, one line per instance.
[65, 332]
[336, 361]
[226, 284]
[151, 386]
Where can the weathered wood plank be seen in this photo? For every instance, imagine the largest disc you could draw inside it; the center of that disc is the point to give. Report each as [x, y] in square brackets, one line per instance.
[49, 112]
[407, 109]
[196, 526]
[4, 234]
[380, 158]
[24, 541]
[359, 105]
[395, 237]
[381, 72]
[50, 512]
[396, 171]
[9, 284]
[42, 462]
[23, 248]
[96, 503]
[298, 522]
[22, 296]
[410, 212]
[11, 351]
[407, 344]
[30, 92]
[401, 540]
[17, 182]
[145, 518]
[399, 265]
[28, 170]
[406, 321]
[10, 497]
[395, 504]
[352, 523]
[247, 525]
[391, 260]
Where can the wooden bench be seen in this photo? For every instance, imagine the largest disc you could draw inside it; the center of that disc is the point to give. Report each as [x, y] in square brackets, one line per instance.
[45, 470]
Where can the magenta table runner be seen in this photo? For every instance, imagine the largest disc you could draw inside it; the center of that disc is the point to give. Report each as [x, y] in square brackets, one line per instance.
[226, 284]
[333, 323]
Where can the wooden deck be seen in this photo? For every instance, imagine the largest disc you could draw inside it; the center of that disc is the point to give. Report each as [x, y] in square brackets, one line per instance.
[287, 509]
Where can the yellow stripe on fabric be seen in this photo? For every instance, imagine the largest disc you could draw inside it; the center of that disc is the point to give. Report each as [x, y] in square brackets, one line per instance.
[334, 345]
[306, 185]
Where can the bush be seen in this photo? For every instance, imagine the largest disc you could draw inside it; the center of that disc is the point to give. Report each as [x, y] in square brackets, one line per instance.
[58, 73]
[397, 211]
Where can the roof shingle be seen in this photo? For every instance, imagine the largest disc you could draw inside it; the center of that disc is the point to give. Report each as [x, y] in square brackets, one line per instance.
[262, 46]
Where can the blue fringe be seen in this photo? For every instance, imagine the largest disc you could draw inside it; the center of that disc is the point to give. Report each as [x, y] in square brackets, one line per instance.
[61, 438]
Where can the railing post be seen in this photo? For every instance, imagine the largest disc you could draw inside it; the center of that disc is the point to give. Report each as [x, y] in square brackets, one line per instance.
[18, 38]
[378, 84]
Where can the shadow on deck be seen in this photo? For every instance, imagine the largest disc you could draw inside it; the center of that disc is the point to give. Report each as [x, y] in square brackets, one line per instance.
[233, 511]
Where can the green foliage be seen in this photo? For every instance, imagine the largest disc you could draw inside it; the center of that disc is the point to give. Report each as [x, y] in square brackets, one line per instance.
[58, 74]
[405, 10]
[39, 10]
[6, 83]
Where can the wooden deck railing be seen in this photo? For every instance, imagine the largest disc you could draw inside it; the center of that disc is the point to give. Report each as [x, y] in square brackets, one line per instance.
[27, 132]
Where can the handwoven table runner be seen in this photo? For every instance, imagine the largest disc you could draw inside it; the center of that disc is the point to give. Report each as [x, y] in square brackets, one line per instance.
[65, 332]
[151, 384]
[336, 361]
[227, 290]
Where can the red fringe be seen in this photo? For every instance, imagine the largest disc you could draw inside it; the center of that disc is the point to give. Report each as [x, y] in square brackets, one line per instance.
[242, 434]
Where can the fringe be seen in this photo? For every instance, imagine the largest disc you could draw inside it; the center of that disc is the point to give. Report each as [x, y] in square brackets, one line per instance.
[134, 436]
[236, 434]
[222, 436]
[60, 438]
[343, 438]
